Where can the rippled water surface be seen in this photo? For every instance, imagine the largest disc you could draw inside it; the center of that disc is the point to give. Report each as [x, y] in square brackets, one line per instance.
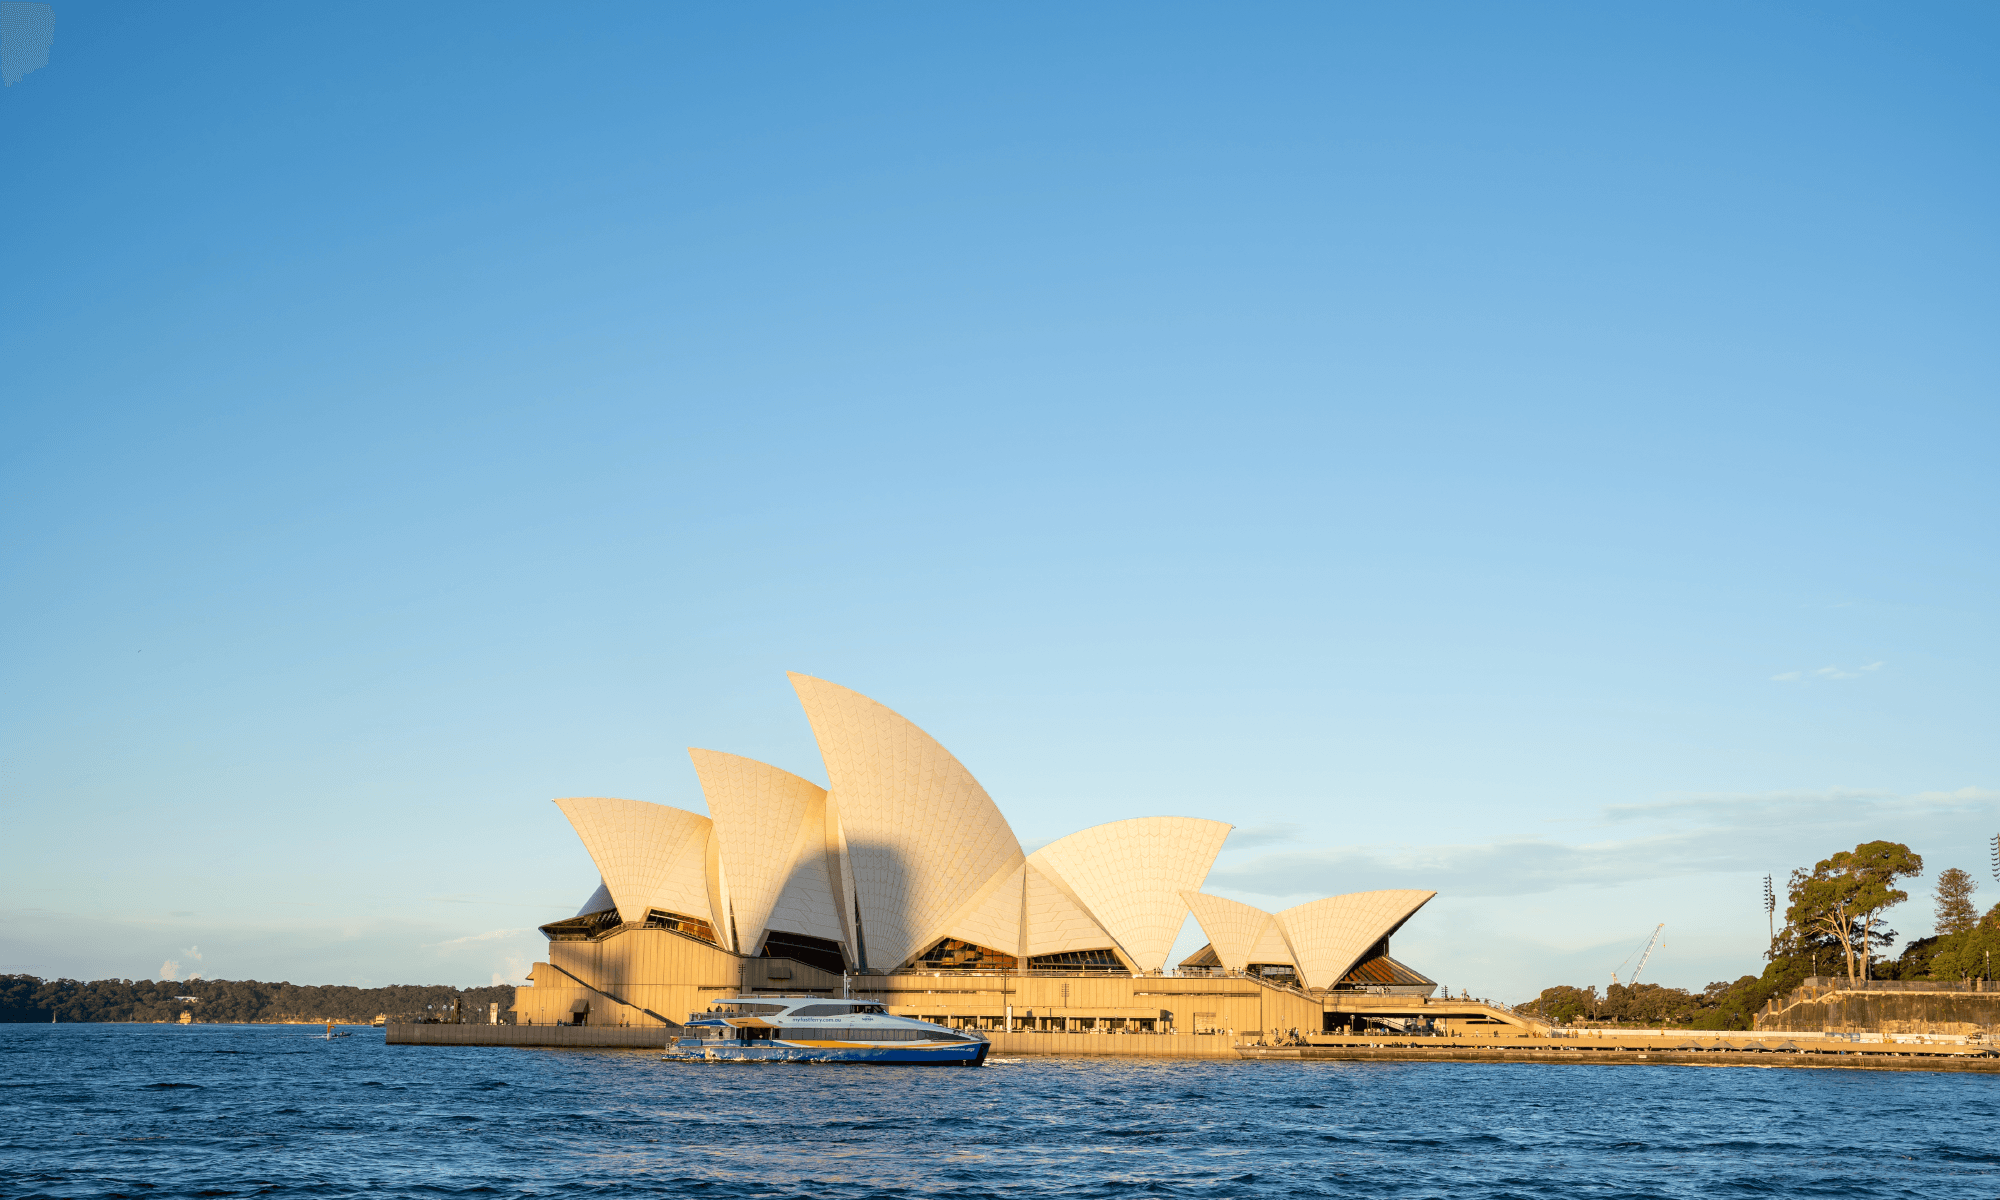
[158, 1111]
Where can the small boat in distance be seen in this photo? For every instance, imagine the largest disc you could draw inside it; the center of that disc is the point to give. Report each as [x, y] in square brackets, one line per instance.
[815, 1029]
[330, 1034]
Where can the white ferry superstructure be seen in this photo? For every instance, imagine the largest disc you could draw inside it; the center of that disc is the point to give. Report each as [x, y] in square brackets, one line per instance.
[816, 1029]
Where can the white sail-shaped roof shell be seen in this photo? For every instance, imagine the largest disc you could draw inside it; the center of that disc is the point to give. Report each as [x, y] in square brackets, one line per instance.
[1129, 876]
[650, 855]
[906, 848]
[1030, 914]
[1331, 935]
[925, 844]
[1057, 923]
[998, 922]
[1271, 946]
[810, 902]
[1240, 934]
[600, 901]
[765, 820]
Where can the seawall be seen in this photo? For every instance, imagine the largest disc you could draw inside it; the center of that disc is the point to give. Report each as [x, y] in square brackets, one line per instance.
[1841, 1055]
[1889, 1057]
[640, 1037]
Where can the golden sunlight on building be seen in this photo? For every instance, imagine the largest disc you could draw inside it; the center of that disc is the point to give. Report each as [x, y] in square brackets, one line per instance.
[903, 882]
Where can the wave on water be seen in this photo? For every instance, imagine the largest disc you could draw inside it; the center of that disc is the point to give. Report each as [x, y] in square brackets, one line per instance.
[187, 1111]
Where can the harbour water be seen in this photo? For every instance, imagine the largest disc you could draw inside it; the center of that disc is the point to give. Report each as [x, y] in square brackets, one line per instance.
[206, 1110]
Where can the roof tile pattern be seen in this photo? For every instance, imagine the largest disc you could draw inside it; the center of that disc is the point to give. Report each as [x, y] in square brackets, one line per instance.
[651, 856]
[808, 902]
[760, 813]
[1331, 935]
[996, 922]
[1058, 924]
[922, 835]
[1130, 875]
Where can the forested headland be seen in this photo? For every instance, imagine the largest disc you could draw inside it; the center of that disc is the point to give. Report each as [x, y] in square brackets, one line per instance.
[232, 1001]
[1832, 926]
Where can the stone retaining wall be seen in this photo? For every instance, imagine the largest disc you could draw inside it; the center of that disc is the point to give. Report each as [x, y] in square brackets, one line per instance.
[1887, 1012]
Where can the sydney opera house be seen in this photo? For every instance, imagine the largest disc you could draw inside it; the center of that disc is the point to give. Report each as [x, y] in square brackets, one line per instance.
[903, 881]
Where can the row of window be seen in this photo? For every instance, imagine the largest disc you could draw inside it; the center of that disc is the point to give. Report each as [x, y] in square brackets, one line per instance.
[1087, 1024]
[582, 929]
[695, 927]
[808, 1034]
[1077, 960]
[812, 951]
[954, 955]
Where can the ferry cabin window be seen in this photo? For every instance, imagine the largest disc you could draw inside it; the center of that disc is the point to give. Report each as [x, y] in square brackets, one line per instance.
[875, 1034]
[834, 1010]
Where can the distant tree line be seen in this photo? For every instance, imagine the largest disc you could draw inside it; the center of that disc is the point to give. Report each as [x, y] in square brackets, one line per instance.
[228, 1001]
[1832, 927]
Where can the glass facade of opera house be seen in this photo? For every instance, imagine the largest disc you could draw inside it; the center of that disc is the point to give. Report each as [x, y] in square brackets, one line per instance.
[903, 881]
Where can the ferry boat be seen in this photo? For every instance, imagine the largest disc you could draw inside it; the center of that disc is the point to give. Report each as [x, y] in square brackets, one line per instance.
[816, 1029]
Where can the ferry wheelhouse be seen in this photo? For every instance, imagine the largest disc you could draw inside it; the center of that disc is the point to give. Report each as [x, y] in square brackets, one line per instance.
[816, 1029]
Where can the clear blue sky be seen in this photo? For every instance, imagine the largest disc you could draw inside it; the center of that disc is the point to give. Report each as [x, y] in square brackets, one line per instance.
[1540, 453]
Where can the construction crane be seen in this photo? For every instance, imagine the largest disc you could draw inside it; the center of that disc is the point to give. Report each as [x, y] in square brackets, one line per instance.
[1643, 953]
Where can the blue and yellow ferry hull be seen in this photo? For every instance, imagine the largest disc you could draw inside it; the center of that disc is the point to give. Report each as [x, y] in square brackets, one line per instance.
[958, 1054]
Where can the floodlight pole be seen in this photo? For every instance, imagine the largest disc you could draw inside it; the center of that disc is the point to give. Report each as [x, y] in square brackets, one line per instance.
[1770, 908]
